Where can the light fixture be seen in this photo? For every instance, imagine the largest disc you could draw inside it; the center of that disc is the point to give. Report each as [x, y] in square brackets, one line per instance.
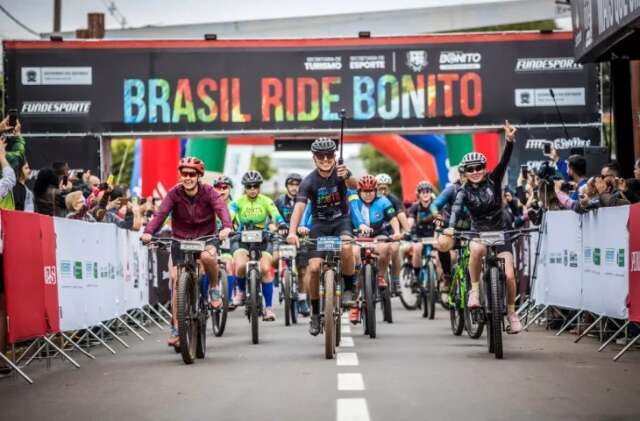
[210, 37]
[364, 34]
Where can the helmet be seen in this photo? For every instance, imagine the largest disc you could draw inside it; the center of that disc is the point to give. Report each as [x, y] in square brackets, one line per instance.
[473, 158]
[252, 177]
[293, 177]
[383, 178]
[424, 185]
[193, 163]
[323, 145]
[223, 179]
[367, 182]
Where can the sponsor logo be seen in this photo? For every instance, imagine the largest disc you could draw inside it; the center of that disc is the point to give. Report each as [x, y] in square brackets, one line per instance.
[541, 97]
[50, 275]
[559, 143]
[596, 256]
[609, 256]
[417, 60]
[620, 257]
[56, 75]
[635, 261]
[366, 62]
[65, 268]
[549, 64]
[56, 107]
[77, 270]
[323, 63]
[459, 60]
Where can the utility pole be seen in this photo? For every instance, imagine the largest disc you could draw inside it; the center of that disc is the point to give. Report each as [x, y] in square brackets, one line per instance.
[57, 15]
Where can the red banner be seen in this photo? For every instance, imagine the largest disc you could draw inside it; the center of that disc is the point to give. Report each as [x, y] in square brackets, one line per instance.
[634, 263]
[48, 243]
[159, 165]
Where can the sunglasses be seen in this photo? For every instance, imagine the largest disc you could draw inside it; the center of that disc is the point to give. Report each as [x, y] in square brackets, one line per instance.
[474, 168]
[221, 187]
[252, 186]
[325, 156]
[189, 174]
[424, 191]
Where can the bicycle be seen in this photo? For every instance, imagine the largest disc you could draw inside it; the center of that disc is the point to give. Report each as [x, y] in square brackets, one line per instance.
[288, 291]
[192, 297]
[219, 315]
[493, 296]
[458, 296]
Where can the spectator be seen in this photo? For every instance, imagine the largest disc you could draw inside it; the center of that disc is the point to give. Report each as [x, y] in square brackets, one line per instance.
[631, 189]
[15, 142]
[61, 169]
[612, 169]
[573, 169]
[636, 170]
[49, 193]
[77, 207]
[113, 207]
[22, 196]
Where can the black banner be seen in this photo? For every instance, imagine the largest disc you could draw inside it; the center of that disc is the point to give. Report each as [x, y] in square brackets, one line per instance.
[79, 152]
[159, 291]
[385, 84]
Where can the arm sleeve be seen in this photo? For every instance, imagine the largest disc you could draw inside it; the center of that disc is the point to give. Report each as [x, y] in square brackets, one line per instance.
[273, 212]
[456, 208]
[356, 216]
[221, 210]
[127, 222]
[498, 172]
[16, 155]
[160, 216]
[306, 217]
[304, 193]
[443, 198]
[389, 211]
[564, 199]
[8, 180]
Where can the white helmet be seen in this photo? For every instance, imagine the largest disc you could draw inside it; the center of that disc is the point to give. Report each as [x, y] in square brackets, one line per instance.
[473, 158]
[383, 178]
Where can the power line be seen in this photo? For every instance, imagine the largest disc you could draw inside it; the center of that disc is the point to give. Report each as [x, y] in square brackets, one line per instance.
[22, 25]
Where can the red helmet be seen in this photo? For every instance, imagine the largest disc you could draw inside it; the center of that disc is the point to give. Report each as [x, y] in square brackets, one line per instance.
[193, 163]
[367, 182]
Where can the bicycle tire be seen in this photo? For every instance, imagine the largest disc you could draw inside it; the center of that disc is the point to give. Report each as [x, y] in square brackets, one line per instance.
[255, 306]
[187, 329]
[496, 311]
[456, 309]
[201, 323]
[409, 299]
[473, 325]
[286, 288]
[219, 317]
[329, 319]
[387, 315]
[370, 300]
[294, 301]
[432, 291]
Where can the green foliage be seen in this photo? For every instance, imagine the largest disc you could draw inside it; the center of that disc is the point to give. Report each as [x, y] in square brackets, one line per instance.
[377, 163]
[263, 165]
[122, 149]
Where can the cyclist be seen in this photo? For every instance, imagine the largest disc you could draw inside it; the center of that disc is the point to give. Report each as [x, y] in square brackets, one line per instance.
[253, 210]
[374, 215]
[421, 221]
[326, 190]
[285, 204]
[384, 189]
[223, 185]
[482, 196]
[194, 207]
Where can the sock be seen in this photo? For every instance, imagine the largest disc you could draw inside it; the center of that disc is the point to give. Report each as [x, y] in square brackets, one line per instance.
[475, 286]
[395, 278]
[242, 284]
[302, 296]
[267, 291]
[416, 271]
[231, 283]
[511, 308]
[315, 307]
[348, 282]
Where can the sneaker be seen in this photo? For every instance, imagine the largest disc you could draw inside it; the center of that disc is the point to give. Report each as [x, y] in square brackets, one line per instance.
[269, 315]
[238, 298]
[381, 282]
[303, 308]
[474, 299]
[314, 325]
[514, 324]
[174, 338]
[215, 298]
[396, 287]
[354, 315]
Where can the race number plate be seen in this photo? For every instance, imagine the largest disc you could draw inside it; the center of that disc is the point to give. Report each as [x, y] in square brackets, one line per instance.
[287, 251]
[494, 238]
[192, 245]
[329, 244]
[252, 236]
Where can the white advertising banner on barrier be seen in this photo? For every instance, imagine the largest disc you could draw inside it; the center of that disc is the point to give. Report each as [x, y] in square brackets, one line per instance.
[605, 280]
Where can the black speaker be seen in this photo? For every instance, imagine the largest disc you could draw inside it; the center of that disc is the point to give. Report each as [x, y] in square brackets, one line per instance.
[596, 156]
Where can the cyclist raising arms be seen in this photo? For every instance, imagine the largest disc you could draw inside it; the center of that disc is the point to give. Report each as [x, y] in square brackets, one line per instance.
[194, 207]
[482, 196]
[326, 190]
[253, 210]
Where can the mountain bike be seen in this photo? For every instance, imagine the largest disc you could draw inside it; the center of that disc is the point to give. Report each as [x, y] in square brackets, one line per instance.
[288, 291]
[458, 296]
[425, 288]
[219, 315]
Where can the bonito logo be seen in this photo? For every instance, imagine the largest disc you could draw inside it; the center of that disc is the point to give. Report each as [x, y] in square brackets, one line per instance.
[459, 60]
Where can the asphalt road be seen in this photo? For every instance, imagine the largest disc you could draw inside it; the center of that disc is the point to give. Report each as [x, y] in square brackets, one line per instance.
[415, 369]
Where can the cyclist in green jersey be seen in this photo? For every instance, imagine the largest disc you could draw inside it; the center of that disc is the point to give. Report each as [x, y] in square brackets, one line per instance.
[253, 210]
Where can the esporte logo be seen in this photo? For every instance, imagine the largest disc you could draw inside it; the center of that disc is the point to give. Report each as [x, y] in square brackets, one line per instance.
[56, 107]
[547, 64]
[459, 60]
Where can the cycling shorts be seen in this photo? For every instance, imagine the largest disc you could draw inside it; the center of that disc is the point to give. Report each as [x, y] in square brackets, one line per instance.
[177, 255]
[266, 248]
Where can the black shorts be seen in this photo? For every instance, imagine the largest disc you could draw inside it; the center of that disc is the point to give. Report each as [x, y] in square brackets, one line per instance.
[338, 228]
[177, 255]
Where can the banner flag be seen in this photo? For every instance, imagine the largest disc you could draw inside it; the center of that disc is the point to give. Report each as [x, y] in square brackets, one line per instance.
[160, 159]
[48, 246]
[634, 263]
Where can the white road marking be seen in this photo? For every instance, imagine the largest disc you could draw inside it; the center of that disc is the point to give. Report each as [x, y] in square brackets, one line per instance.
[352, 410]
[346, 342]
[350, 381]
[346, 329]
[347, 359]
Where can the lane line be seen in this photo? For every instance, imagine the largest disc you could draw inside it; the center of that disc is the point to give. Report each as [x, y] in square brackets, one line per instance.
[346, 329]
[346, 342]
[354, 409]
[347, 359]
[350, 381]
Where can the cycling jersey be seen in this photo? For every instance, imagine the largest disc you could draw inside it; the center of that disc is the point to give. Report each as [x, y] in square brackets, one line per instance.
[191, 217]
[424, 220]
[444, 203]
[397, 203]
[285, 204]
[484, 201]
[254, 212]
[375, 215]
[327, 196]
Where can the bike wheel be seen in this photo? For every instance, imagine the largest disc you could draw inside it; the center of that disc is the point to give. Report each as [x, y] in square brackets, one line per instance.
[432, 291]
[201, 345]
[473, 321]
[496, 317]
[329, 319]
[286, 288]
[409, 296]
[254, 310]
[456, 309]
[387, 315]
[369, 285]
[294, 299]
[187, 310]
[219, 316]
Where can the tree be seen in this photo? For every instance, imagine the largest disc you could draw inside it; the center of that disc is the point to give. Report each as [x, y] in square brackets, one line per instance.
[377, 163]
[122, 149]
[262, 164]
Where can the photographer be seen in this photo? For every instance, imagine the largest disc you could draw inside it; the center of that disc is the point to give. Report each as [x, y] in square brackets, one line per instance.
[113, 207]
[574, 169]
[77, 207]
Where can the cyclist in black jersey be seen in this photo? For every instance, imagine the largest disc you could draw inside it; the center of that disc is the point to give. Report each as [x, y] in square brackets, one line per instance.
[325, 189]
[421, 221]
[482, 196]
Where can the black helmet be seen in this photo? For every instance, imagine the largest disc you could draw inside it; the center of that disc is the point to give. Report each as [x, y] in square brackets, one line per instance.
[293, 177]
[252, 177]
[223, 179]
[323, 145]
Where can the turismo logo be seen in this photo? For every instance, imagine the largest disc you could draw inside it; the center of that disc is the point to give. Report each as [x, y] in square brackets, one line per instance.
[366, 62]
[545, 65]
[55, 107]
[323, 63]
[62, 75]
[417, 60]
[459, 60]
[541, 97]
